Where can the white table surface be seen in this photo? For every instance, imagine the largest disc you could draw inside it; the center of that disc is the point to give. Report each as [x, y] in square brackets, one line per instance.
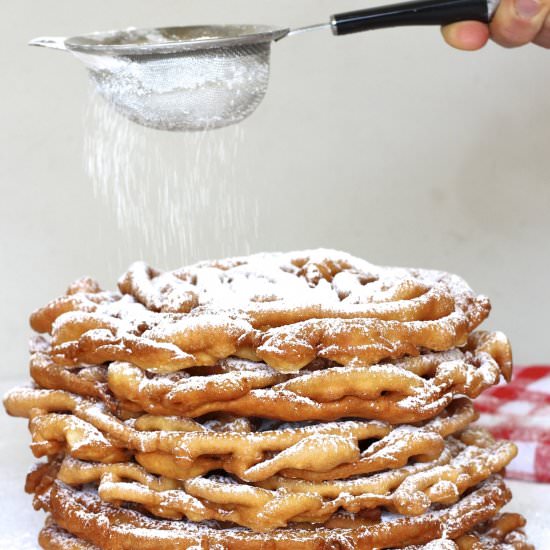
[19, 523]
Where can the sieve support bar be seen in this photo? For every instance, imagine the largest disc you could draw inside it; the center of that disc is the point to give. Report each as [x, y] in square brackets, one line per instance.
[421, 12]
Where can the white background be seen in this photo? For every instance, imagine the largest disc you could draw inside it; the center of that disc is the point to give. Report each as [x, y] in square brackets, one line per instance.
[389, 145]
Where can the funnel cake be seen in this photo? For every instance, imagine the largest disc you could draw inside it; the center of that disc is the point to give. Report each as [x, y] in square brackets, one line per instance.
[409, 390]
[283, 309]
[183, 448]
[82, 513]
[503, 532]
[276, 502]
[297, 401]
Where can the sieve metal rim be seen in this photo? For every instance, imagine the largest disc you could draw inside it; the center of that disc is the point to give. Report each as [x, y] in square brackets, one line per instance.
[101, 43]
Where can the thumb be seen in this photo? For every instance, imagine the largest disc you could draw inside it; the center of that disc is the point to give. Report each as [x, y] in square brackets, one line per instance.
[466, 35]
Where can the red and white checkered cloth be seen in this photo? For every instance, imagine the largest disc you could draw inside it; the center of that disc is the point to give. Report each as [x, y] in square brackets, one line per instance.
[520, 411]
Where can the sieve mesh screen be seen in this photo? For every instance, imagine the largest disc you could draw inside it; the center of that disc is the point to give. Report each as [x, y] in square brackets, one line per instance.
[189, 90]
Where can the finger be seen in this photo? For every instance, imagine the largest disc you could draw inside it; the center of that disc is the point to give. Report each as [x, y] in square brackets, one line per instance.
[543, 37]
[466, 35]
[518, 22]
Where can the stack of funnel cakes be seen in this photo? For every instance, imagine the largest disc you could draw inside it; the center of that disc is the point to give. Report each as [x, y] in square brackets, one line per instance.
[308, 400]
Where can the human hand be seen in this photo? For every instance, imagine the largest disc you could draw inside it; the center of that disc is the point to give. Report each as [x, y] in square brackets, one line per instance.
[515, 23]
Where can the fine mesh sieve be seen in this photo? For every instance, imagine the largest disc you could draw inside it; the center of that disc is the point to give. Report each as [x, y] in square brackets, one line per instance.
[186, 78]
[205, 77]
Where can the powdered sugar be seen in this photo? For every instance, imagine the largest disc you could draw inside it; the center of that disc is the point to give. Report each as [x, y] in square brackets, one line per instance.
[175, 197]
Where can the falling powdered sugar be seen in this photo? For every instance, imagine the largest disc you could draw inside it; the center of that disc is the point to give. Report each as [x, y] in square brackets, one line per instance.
[175, 196]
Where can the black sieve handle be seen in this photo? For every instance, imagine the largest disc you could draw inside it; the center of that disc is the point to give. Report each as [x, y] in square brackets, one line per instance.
[421, 12]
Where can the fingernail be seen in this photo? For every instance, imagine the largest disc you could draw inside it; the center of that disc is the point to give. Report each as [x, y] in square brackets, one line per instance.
[527, 8]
